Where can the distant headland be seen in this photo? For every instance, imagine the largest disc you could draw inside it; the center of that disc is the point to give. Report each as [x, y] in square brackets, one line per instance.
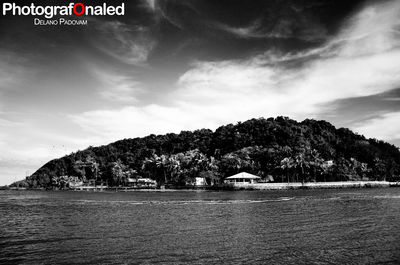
[279, 151]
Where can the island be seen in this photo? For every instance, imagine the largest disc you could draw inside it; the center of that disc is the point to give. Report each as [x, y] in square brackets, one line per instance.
[280, 152]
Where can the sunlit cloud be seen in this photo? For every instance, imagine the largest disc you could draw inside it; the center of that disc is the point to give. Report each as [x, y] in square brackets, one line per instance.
[213, 93]
[130, 45]
[308, 30]
[162, 11]
[14, 70]
[375, 29]
[385, 127]
[133, 121]
[116, 87]
[151, 4]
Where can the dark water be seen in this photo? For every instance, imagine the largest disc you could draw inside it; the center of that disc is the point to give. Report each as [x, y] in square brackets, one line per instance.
[349, 226]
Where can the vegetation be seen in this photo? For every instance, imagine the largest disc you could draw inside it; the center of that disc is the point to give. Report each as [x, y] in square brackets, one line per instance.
[277, 149]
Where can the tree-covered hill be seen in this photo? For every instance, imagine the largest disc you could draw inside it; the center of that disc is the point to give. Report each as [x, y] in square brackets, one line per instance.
[280, 149]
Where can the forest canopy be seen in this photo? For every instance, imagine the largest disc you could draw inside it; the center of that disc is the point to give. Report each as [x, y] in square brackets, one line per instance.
[276, 149]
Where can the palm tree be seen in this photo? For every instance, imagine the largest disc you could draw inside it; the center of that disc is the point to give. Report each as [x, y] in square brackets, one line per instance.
[287, 164]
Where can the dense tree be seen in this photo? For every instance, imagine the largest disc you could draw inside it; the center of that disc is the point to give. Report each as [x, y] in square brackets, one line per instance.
[286, 149]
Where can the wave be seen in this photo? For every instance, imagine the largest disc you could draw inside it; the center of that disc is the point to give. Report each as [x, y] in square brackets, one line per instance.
[387, 197]
[180, 202]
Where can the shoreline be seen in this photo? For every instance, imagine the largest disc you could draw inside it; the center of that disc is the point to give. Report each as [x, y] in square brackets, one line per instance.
[314, 185]
[235, 187]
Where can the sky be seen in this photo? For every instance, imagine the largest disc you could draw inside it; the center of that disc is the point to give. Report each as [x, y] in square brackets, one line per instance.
[169, 65]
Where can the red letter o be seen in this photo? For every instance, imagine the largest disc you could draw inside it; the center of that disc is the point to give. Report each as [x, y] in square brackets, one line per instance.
[83, 9]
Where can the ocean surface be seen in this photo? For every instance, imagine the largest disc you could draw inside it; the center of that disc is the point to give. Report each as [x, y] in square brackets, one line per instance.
[348, 226]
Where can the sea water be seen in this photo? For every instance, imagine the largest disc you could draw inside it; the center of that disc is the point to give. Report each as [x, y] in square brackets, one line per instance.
[348, 226]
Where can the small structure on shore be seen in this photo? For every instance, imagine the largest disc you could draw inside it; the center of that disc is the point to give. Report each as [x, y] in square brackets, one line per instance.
[141, 183]
[74, 182]
[242, 178]
[200, 181]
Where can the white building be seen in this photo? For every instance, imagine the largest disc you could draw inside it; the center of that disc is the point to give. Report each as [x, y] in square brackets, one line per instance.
[142, 183]
[242, 178]
[199, 181]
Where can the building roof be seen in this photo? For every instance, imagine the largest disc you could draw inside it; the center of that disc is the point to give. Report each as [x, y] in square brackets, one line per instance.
[243, 175]
[132, 180]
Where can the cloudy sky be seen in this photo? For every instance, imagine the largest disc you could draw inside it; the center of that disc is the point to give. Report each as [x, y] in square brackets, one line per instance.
[168, 66]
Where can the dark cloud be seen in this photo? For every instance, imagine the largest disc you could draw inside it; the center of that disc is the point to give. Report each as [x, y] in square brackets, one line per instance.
[361, 109]
[181, 31]
[232, 29]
